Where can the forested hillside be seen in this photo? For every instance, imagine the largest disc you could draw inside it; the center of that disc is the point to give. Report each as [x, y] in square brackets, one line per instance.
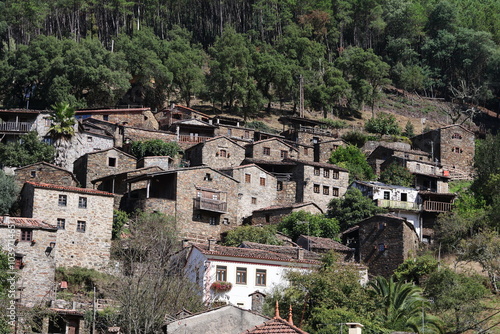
[243, 54]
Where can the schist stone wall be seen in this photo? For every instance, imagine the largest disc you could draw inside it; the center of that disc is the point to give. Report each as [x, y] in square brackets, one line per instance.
[35, 283]
[216, 153]
[326, 148]
[102, 163]
[137, 118]
[234, 132]
[273, 216]
[385, 243]
[84, 219]
[271, 150]
[44, 172]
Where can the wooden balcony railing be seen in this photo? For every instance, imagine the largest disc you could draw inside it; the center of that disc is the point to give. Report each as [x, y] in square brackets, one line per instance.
[193, 139]
[16, 127]
[437, 206]
[385, 203]
[208, 204]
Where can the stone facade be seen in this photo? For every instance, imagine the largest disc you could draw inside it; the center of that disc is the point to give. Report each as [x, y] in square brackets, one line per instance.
[164, 162]
[231, 131]
[26, 241]
[177, 113]
[219, 152]
[135, 117]
[97, 164]
[453, 146]
[272, 149]
[274, 214]
[16, 122]
[319, 182]
[84, 218]
[256, 188]
[204, 201]
[385, 242]
[325, 148]
[45, 172]
[383, 153]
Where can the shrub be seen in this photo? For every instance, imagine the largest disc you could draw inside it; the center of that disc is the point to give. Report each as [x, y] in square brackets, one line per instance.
[383, 124]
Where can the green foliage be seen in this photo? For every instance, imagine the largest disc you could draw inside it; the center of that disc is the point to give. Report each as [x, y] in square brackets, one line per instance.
[120, 218]
[63, 120]
[352, 159]
[260, 126]
[396, 174]
[456, 297]
[383, 124]
[352, 208]
[8, 193]
[487, 164]
[260, 234]
[409, 130]
[459, 186]
[356, 138]
[302, 222]
[417, 269]
[28, 150]
[154, 147]
[335, 123]
[80, 280]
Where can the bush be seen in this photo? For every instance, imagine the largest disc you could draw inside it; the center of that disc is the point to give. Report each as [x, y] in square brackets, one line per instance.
[262, 235]
[317, 225]
[354, 161]
[383, 124]
[397, 175]
[155, 147]
[355, 138]
[335, 123]
[260, 126]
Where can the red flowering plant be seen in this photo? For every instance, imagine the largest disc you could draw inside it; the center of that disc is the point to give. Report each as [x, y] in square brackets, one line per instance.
[221, 286]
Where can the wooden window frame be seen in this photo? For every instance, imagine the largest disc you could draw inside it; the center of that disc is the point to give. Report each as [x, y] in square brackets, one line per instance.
[316, 188]
[241, 275]
[26, 234]
[266, 151]
[61, 223]
[260, 277]
[221, 273]
[81, 226]
[335, 192]
[248, 178]
[82, 202]
[326, 190]
[262, 181]
[62, 200]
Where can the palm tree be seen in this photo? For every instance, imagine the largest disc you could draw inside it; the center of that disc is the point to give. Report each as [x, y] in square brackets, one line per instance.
[61, 130]
[403, 307]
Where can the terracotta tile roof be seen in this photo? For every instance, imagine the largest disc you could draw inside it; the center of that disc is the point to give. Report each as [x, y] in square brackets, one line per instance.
[326, 243]
[70, 189]
[275, 326]
[26, 223]
[285, 250]
[250, 254]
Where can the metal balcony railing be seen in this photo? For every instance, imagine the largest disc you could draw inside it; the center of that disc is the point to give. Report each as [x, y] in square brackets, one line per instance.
[208, 204]
[385, 203]
[16, 127]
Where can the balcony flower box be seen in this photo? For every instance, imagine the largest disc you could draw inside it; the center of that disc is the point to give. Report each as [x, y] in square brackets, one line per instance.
[221, 286]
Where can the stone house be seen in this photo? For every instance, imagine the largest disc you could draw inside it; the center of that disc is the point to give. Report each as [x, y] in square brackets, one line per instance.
[192, 131]
[247, 269]
[83, 217]
[382, 243]
[319, 182]
[307, 131]
[452, 146]
[257, 188]
[323, 149]
[272, 149]
[218, 152]
[45, 172]
[275, 213]
[385, 153]
[324, 245]
[203, 201]
[176, 113]
[135, 117]
[30, 244]
[164, 162]
[16, 122]
[98, 164]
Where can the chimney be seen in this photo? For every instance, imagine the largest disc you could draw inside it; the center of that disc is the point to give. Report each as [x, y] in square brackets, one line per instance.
[354, 327]
[300, 253]
[211, 244]
[185, 243]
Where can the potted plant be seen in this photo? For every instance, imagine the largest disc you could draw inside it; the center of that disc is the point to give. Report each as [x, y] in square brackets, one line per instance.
[221, 286]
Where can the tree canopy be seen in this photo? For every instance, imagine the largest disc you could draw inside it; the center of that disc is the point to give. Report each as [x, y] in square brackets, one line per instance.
[8, 193]
[154, 147]
[354, 161]
[302, 222]
[28, 150]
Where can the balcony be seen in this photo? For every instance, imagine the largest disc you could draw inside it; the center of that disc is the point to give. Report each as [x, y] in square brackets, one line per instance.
[437, 206]
[385, 203]
[16, 127]
[193, 139]
[208, 204]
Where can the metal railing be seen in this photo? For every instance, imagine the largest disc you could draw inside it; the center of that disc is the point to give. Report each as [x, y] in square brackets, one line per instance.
[437, 206]
[385, 203]
[208, 204]
[16, 126]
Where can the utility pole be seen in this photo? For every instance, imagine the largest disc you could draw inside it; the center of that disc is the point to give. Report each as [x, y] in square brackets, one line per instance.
[301, 96]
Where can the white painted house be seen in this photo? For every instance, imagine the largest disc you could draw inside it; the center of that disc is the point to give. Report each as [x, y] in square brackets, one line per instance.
[400, 201]
[248, 270]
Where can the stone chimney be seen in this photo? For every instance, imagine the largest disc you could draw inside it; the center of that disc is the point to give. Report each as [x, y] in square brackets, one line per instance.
[211, 244]
[354, 327]
[300, 253]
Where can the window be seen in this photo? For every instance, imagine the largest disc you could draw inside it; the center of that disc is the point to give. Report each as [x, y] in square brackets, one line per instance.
[111, 162]
[456, 136]
[82, 202]
[326, 172]
[284, 154]
[105, 117]
[247, 134]
[241, 275]
[387, 195]
[63, 200]
[418, 166]
[404, 197]
[279, 185]
[223, 153]
[326, 190]
[61, 224]
[229, 132]
[407, 156]
[381, 226]
[381, 247]
[316, 171]
[335, 174]
[306, 151]
[33, 173]
[221, 273]
[207, 177]
[260, 277]
[456, 150]
[19, 262]
[262, 181]
[213, 221]
[268, 218]
[81, 226]
[254, 200]
[266, 151]
[26, 235]
[89, 139]
[248, 178]
[316, 188]
[335, 192]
